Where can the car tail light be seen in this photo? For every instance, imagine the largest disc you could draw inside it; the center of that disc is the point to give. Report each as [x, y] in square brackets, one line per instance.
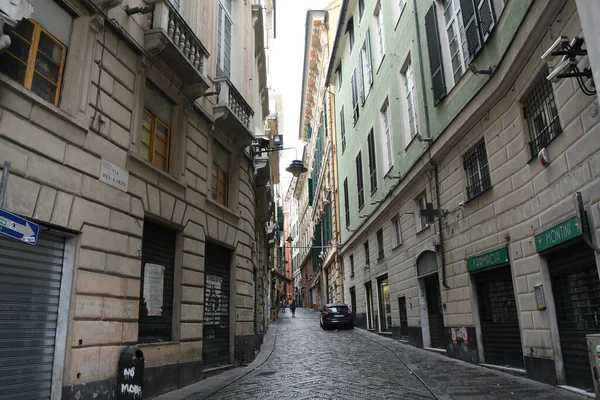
[349, 313]
[325, 313]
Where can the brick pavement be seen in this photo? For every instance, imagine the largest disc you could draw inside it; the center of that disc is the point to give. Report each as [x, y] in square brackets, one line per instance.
[309, 363]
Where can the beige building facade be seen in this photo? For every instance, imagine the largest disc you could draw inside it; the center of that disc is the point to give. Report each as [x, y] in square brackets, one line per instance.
[128, 146]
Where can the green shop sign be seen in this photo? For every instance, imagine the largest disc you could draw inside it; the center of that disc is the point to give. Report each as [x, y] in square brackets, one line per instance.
[558, 234]
[491, 259]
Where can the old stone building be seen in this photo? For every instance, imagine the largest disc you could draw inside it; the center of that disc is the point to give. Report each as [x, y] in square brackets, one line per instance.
[127, 126]
[469, 244]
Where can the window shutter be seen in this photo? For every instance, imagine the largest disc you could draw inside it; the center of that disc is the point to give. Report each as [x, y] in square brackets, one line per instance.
[354, 97]
[487, 18]
[369, 59]
[361, 77]
[310, 192]
[309, 132]
[435, 56]
[280, 218]
[467, 8]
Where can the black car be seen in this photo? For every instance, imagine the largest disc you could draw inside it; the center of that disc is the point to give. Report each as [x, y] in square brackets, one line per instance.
[336, 315]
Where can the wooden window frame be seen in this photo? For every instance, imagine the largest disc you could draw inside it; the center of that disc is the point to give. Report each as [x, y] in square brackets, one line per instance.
[32, 56]
[219, 190]
[153, 140]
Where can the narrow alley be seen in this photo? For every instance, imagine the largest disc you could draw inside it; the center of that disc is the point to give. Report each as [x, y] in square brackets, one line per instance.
[307, 362]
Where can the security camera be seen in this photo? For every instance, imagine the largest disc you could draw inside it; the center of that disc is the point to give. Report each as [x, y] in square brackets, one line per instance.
[461, 204]
[562, 41]
[563, 66]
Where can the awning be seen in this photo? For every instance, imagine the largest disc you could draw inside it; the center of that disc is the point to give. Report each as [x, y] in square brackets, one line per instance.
[279, 275]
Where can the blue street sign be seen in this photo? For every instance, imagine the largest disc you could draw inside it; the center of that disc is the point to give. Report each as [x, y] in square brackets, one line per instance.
[18, 228]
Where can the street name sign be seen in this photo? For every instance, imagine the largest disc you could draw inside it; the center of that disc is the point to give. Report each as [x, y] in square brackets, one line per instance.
[558, 234]
[18, 228]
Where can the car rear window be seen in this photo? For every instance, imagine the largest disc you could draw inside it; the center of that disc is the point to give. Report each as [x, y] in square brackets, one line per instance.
[338, 309]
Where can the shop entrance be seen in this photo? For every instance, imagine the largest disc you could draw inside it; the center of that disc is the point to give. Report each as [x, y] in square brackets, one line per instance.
[499, 317]
[435, 314]
[370, 319]
[353, 304]
[576, 290]
[215, 349]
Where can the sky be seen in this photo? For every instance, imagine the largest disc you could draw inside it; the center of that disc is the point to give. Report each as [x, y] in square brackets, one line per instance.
[285, 73]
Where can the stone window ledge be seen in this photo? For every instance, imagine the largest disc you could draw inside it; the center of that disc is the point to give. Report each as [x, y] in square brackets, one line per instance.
[215, 203]
[37, 100]
[132, 155]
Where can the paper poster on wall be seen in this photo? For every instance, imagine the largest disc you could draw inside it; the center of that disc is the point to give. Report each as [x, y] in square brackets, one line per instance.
[154, 277]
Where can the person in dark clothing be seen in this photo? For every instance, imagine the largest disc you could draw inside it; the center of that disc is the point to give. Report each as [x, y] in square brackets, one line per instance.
[293, 308]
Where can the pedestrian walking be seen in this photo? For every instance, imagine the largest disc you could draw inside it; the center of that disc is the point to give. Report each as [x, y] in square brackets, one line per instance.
[293, 308]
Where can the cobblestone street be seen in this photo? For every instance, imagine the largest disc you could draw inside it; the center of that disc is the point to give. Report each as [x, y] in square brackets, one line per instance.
[309, 363]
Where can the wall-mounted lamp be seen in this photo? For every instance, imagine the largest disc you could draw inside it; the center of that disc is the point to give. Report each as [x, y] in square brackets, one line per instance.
[296, 168]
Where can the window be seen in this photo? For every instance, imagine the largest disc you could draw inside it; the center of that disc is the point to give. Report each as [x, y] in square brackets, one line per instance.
[220, 174]
[346, 205]
[380, 36]
[361, 8]
[224, 38]
[467, 26]
[37, 54]
[350, 32]
[343, 129]
[355, 107]
[359, 181]
[397, 231]
[457, 40]
[366, 68]
[477, 169]
[380, 244]
[156, 127]
[539, 110]
[372, 161]
[339, 74]
[422, 205]
[367, 255]
[386, 128]
[410, 109]
[351, 265]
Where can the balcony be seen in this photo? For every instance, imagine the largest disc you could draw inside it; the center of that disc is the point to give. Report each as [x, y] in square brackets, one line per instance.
[175, 42]
[234, 114]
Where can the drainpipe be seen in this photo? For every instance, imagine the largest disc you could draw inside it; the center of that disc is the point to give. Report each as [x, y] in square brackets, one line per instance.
[429, 141]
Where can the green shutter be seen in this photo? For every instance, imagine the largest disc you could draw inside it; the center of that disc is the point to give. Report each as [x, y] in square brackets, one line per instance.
[438, 83]
[309, 132]
[280, 218]
[310, 192]
[472, 32]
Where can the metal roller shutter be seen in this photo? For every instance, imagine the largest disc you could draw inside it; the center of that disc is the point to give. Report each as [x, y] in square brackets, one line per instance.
[215, 348]
[437, 331]
[30, 278]
[499, 318]
[576, 290]
[158, 247]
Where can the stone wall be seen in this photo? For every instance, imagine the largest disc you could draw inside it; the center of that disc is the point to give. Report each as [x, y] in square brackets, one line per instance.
[56, 157]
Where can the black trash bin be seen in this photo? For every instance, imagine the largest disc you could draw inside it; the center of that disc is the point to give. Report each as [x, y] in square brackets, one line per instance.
[130, 376]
